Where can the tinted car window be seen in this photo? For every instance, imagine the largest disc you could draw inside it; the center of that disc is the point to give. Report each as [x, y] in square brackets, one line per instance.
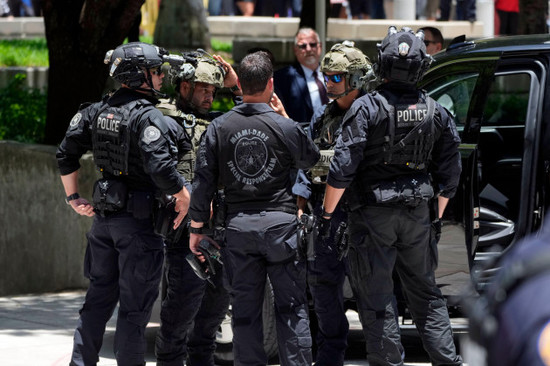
[454, 92]
[507, 100]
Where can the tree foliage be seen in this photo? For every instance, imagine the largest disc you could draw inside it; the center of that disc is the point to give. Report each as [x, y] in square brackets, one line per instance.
[79, 33]
[22, 112]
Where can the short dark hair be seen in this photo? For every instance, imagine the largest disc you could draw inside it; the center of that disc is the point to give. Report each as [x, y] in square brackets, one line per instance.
[255, 71]
[266, 50]
[436, 33]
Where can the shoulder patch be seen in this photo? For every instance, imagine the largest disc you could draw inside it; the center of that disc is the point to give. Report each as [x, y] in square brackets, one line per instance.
[76, 119]
[150, 134]
[543, 345]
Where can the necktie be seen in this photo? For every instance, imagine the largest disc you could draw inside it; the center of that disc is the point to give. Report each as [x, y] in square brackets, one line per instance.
[322, 90]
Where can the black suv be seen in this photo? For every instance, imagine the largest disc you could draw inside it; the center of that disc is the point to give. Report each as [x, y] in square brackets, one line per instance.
[496, 90]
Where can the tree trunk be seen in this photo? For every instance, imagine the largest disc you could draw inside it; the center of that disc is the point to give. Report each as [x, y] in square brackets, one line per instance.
[79, 33]
[532, 16]
[182, 26]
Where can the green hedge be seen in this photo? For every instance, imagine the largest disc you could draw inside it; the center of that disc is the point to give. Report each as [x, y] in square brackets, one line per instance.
[22, 112]
[24, 52]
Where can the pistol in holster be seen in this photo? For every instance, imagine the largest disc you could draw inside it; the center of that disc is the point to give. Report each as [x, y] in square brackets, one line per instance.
[205, 270]
[306, 242]
[341, 240]
[164, 221]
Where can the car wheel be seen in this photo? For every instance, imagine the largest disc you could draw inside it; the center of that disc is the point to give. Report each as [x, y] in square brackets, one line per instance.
[224, 337]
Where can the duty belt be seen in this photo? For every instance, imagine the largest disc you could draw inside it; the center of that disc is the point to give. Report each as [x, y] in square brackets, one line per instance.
[286, 209]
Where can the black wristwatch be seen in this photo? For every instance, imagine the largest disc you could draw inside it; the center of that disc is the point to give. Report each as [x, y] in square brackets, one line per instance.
[327, 214]
[195, 230]
[73, 196]
[235, 88]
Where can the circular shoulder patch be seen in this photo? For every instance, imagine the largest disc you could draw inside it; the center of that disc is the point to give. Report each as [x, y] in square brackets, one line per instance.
[151, 134]
[76, 119]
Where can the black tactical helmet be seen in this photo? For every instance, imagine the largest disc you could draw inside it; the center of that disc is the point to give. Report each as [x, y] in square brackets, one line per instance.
[126, 62]
[402, 56]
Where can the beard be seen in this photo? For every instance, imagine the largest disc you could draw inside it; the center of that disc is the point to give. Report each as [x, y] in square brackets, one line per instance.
[311, 61]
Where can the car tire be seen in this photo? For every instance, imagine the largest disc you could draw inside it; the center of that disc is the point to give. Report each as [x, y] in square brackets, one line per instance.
[224, 337]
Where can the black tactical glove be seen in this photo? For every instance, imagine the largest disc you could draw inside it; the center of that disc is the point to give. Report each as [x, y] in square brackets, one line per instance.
[322, 228]
[436, 230]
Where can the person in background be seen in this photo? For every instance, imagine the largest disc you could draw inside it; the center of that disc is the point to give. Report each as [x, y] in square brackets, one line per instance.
[508, 15]
[360, 9]
[5, 11]
[300, 86]
[246, 7]
[433, 39]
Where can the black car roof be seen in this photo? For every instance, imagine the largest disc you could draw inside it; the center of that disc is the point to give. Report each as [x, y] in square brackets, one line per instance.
[499, 45]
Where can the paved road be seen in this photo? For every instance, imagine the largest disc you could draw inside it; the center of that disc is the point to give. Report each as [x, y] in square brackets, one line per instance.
[37, 330]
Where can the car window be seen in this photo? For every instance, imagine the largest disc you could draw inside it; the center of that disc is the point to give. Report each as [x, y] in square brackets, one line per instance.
[454, 92]
[507, 100]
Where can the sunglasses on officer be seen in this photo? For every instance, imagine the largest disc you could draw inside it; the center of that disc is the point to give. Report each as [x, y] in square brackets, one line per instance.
[334, 78]
[303, 46]
[156, 71]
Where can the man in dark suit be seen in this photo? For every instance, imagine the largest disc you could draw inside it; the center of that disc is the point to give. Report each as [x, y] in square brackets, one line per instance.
[300, 86]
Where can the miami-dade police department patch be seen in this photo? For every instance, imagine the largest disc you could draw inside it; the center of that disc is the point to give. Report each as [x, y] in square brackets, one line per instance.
[76, 119]
[150, 134]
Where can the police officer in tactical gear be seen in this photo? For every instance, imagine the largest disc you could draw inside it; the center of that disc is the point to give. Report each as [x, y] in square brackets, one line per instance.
[396, 145]
[347, 71]
[249, 151]
[136, 150]
[192, 310]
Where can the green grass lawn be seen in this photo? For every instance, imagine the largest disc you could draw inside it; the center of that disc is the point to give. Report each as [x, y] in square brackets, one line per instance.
[34, 52]
[23, 52]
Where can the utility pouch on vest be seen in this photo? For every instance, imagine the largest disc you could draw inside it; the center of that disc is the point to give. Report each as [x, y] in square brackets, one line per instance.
[164, 222]
[109, 195]
[409, 190]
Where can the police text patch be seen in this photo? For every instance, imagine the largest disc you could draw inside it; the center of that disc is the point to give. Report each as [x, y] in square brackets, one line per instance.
[410, 115]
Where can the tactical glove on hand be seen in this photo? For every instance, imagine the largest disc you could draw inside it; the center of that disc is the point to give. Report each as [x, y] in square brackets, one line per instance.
[322, 228]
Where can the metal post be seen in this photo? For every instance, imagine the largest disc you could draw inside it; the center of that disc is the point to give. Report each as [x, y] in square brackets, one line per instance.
[404, 9]
[320, 22]
[486, 14]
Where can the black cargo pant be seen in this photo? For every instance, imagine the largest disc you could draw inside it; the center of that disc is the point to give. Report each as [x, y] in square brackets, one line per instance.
[326, 276]
[384, 237]
[191, 312]
[124, 263]
[259, 245]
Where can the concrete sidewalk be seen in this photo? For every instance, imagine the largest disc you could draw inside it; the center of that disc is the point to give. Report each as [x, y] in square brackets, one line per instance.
[37, 330]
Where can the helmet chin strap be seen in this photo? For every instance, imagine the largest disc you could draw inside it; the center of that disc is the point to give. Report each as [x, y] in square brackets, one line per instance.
[346, 92]
[153, 91]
